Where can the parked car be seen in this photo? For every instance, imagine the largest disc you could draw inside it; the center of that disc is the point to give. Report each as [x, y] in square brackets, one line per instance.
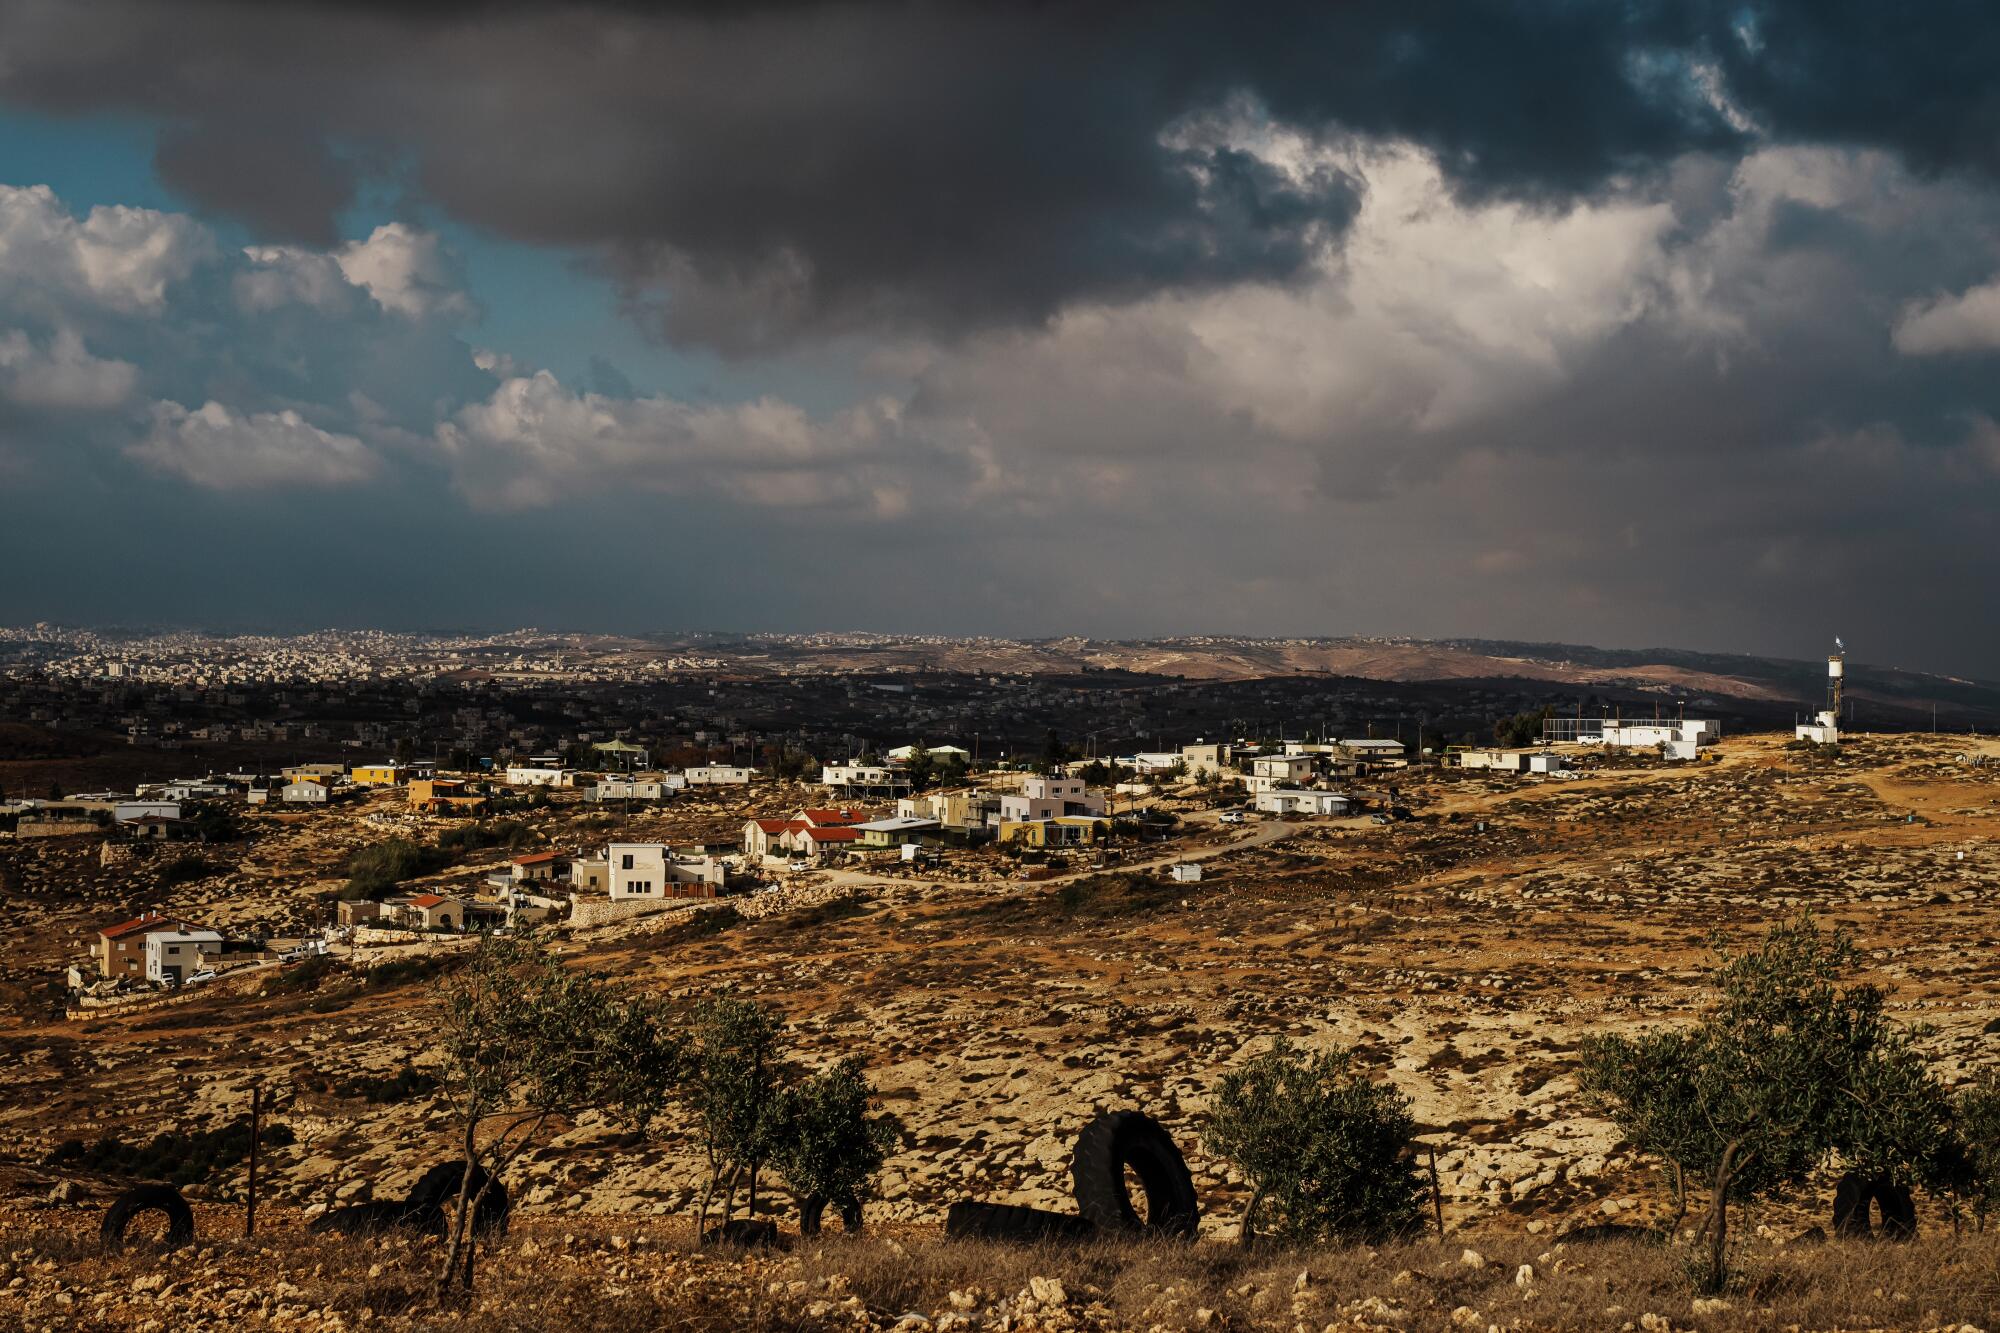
[1230, 817]
[196, 978]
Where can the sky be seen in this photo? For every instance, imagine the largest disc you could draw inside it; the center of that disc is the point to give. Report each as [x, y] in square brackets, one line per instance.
[1637, 324]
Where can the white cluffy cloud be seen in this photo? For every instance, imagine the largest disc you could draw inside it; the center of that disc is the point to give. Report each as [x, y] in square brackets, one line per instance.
[214, 447]
[62, 376]
[403, 270]
[535, 442]
[1968, 322]
[116, 258]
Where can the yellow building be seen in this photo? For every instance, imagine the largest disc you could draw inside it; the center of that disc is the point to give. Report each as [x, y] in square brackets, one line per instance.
[1061, 831]
[378, 775]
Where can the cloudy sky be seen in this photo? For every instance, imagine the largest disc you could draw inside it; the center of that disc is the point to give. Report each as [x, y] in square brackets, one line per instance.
[1643, 324]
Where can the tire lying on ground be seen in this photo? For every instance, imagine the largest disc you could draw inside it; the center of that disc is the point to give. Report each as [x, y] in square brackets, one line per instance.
[1106, 1148]
[748, 1232]
[969, 1219]
[812, 1210]
[366, 1219]
[1853, 1197]
[1613, 1231]
[435, 1195]
[148, 1199]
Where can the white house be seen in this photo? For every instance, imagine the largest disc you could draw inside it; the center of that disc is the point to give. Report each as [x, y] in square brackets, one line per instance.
[306, 791]
[1272, 772]
[172, 954]
[1547, 761]
[719, 775]
[902, 754]
[1201, 758]
[627, 789]
[1296, 802]
[636, 869]
[1152, 761]
[526, 775]
[1187, 872]
[126, 812]
[1049, 798]
[1374, 749]
[645, 870]
[853, 777]
[1824, 729]
[1507, 761]
[1677, 738]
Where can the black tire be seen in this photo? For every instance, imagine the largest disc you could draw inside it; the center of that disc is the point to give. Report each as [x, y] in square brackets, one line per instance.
[1899, 1211]
[969, 1219]
[435, 1195]
[148, 1199]
[365, 1219]
[812, 1211]
[1850, 1207]
[1110, 1144]
[1612, 1231]
[747, 1232]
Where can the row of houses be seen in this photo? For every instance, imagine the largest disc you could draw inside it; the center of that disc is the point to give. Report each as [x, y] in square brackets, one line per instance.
[164, 949]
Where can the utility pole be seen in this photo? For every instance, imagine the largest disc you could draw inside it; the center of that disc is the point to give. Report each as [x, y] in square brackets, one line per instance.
[256, 1118]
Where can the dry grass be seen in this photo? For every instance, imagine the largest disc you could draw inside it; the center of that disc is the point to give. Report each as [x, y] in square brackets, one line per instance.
[634, 1274]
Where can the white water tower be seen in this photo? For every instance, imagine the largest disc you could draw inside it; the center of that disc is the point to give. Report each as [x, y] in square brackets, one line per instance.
[1825, 728]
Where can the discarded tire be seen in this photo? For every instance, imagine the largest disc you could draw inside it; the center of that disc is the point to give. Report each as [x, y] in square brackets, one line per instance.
[1612, 1231]
[1855, 1194]
[367, 1219]
[812, 1211]
[1850, 1206]
[1106, 1148]
[748, 1232]
[148, 1199]
[969, 1219]
[435, 1195]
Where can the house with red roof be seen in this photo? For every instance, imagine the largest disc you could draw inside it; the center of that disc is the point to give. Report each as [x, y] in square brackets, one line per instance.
[538, 866]
[428, 911]
[121, 949]
[765, 837]
[819, 843]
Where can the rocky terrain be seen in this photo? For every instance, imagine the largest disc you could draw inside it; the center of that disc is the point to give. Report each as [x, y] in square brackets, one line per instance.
[1463, 954]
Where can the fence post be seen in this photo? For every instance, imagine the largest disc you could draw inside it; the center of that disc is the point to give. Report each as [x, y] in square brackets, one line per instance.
[256, 1115]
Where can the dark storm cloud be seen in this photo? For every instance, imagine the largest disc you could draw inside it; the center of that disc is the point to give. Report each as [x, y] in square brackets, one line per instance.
[287, 186]
[787, 167]
[754, 172]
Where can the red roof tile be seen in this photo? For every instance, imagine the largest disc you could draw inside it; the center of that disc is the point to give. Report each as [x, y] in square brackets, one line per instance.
[835, 817]
[536, 858]
[426, 900]
[832, 834]
[151, 920]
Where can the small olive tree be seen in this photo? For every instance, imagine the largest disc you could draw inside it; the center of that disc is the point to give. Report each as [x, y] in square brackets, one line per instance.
[832, 1140]
[730, 1085]
[1787, 1069]
[1977, 1115]
[1326, 1152]
[526, 1040]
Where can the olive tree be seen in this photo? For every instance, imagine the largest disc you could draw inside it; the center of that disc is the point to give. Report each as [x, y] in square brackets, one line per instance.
[832, 1140]
[730, 1086]
[1977, 1114]
[1787, 1069]
[1326, 1153]
[526, 1040]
